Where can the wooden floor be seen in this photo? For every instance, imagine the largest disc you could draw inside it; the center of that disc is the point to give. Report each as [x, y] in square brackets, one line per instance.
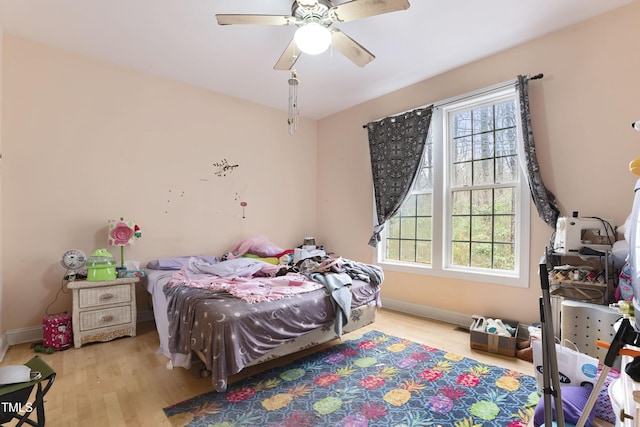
[125, 383]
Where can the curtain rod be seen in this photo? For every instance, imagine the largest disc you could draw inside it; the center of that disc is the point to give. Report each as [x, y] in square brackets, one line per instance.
[536, 77]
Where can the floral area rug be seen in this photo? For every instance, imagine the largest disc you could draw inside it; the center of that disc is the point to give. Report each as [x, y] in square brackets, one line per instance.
[371, 380]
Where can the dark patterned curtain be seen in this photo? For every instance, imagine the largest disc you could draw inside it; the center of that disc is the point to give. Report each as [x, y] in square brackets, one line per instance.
[544, 199]
[396, 145]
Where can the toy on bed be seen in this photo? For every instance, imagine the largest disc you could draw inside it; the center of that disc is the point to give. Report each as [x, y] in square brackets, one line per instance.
[257, 246]
[244, 311]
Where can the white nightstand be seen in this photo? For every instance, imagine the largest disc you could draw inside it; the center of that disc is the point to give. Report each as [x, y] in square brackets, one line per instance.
[103, 311]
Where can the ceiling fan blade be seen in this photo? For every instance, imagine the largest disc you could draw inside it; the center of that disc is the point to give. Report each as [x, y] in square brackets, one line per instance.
[288, 57]
[231, 19]
[350, 48]
[357, 9]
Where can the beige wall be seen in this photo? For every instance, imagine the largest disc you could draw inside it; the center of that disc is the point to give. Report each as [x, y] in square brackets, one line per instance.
[2, 329]
[581, 114]
[85, 142]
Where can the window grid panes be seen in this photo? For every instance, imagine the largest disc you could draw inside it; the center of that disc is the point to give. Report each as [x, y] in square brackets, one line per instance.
[483, 182]
[409, 232]
[467, 214]
[482, 236]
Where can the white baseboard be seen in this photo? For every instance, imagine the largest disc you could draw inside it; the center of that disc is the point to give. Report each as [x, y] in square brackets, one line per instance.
[4, 346]
[24, 335]
[455, 318]
[34, 333]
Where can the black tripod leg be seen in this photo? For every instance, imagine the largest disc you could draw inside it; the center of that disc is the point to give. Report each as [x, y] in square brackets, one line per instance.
[551, 378]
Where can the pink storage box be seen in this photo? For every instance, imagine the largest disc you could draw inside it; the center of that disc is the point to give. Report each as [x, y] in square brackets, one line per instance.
[57, 331]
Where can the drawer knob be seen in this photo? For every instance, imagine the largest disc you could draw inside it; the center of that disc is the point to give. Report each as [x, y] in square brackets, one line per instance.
[107, 318]
[106, 296]
[624, 416]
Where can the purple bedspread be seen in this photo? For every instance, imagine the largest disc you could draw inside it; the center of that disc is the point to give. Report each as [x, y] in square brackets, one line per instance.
[231, 333]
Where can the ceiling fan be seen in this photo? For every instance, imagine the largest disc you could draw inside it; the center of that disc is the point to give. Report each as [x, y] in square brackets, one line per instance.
[314, 19]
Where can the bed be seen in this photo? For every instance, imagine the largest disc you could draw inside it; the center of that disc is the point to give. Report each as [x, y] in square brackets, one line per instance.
[236, 313]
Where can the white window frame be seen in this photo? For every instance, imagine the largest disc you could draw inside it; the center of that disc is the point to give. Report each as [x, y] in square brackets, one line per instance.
[441, 229]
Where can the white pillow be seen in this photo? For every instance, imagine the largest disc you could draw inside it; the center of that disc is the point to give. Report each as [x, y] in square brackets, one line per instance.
[14, 374]
[620, 250]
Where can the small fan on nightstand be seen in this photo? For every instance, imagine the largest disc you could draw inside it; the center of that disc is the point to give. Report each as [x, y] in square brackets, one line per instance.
[74, 261]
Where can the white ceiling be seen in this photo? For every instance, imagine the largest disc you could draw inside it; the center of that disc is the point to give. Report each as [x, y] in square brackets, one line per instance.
[181, 39]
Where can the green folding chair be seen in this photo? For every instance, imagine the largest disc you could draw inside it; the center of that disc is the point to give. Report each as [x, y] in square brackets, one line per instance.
[14, 398]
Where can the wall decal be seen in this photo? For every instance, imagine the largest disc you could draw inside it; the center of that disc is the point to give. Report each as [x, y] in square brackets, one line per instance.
[243, 204]
[224, 167]
[169, 199]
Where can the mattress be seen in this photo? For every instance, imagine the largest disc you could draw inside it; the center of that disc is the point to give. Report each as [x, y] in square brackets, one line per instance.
[156, 280]
[231, 334]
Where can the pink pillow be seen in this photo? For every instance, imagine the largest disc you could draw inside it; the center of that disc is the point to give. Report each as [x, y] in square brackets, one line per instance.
[265, 250]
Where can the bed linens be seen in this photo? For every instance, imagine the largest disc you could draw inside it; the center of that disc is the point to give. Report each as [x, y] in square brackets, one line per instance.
[230, 333]
[249, 279]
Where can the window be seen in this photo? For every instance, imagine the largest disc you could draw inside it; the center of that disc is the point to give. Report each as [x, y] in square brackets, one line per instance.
[467, 215]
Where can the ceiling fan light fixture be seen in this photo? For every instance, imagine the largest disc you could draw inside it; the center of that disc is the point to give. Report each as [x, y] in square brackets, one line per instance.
[313, 38]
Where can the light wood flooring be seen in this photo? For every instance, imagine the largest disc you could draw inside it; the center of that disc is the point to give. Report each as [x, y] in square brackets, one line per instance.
[125, 383]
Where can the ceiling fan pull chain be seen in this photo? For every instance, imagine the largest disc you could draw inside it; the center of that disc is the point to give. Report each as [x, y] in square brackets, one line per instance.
[292, 120]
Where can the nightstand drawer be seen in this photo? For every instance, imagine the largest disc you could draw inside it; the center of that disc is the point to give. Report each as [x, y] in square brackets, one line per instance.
[96, 297]
[103, 311]
[101, 318]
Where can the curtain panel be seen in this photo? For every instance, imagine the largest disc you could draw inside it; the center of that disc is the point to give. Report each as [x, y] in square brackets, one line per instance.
[544, 199]
[396, 146]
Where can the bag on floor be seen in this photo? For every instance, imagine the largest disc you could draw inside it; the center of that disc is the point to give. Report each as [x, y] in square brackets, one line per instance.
[574, 368]
[57, 331]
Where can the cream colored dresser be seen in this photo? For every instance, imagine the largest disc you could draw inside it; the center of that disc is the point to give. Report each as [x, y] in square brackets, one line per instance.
[103, 311]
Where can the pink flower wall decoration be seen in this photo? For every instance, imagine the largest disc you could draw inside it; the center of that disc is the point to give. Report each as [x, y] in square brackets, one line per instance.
[121, 234]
